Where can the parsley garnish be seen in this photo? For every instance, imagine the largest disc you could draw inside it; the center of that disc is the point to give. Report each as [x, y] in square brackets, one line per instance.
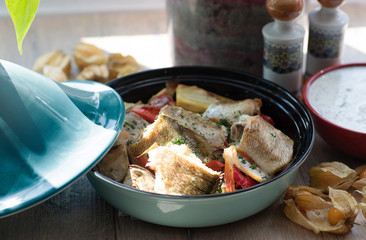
[179, 141]
[130, 125]
[242, 159]
[224, 122]
[253, 166]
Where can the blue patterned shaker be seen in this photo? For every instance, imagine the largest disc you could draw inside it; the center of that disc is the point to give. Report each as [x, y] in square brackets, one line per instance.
[283, 45]
[327, 26]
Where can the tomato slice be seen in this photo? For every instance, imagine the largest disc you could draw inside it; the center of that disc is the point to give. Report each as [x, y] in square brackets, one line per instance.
[215, 165]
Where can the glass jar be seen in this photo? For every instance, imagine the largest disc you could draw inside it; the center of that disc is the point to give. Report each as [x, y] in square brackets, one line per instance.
[222, 33]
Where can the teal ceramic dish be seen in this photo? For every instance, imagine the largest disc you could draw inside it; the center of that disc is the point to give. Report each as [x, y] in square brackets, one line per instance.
[200, 211]
[50, 134]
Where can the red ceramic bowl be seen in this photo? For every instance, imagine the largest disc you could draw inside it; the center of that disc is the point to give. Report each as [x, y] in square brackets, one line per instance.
[351, 142]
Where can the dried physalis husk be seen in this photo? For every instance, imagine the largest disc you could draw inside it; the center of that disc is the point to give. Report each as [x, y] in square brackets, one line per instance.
[306, 197]
[333, 174]
[120, 65]
[362, 203]
[361, 182]
[86, 54]
[320, 219]
[56, 58]
[54, 73]
[95, 73]
[128, 70]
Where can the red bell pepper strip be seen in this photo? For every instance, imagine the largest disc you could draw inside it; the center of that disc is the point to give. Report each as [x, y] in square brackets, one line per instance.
[240, 179]
[145, 114]
[149, 112]
[142, 160]
[216, 165]
[267, 118]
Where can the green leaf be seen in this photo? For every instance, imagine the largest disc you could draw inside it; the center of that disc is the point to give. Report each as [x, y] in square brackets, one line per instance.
[22, 13]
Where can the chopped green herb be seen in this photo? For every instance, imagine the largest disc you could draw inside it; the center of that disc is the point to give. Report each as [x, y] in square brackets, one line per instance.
[179, 141]
[224, 122]
[253, 166]
[242, 159]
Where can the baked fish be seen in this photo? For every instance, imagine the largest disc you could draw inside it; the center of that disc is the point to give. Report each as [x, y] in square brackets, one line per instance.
[267, 146]
[140, 178]
[214, 133]
[165, 130]
[232, 111]
[179, 172]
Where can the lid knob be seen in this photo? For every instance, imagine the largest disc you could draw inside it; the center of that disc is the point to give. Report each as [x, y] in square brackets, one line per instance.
[330, 3]
[285, 10]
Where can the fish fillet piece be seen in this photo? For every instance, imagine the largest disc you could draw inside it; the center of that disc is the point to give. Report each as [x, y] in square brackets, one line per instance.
[214, 133]
[115, 163]
[140, 178]
[231, 111]
[179, 172]
[267, 146]
[134, 124]
[165, 130]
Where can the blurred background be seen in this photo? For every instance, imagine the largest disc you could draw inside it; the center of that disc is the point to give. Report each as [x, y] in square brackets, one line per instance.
[137, 28]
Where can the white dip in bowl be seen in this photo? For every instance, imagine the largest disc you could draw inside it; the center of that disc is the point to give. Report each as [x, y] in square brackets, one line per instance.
[339, 96]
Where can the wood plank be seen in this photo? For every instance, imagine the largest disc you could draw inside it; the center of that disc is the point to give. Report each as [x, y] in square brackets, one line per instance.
[271, 223]
[128, 227]
[76, 213]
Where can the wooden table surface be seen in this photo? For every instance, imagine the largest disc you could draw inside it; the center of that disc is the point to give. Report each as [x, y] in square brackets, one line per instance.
[79, 212]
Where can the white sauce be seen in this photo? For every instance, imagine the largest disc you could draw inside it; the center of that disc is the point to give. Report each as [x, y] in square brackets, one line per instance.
[340, 97]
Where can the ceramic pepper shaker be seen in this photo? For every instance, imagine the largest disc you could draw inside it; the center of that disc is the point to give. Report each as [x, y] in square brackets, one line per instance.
[283, 44]
[327, 26]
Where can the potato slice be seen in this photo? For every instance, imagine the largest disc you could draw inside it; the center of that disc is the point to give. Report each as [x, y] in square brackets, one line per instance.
[196, 99]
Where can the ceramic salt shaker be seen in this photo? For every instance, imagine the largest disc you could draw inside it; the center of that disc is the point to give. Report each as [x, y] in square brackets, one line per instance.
[283, 44]
[327, 26]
